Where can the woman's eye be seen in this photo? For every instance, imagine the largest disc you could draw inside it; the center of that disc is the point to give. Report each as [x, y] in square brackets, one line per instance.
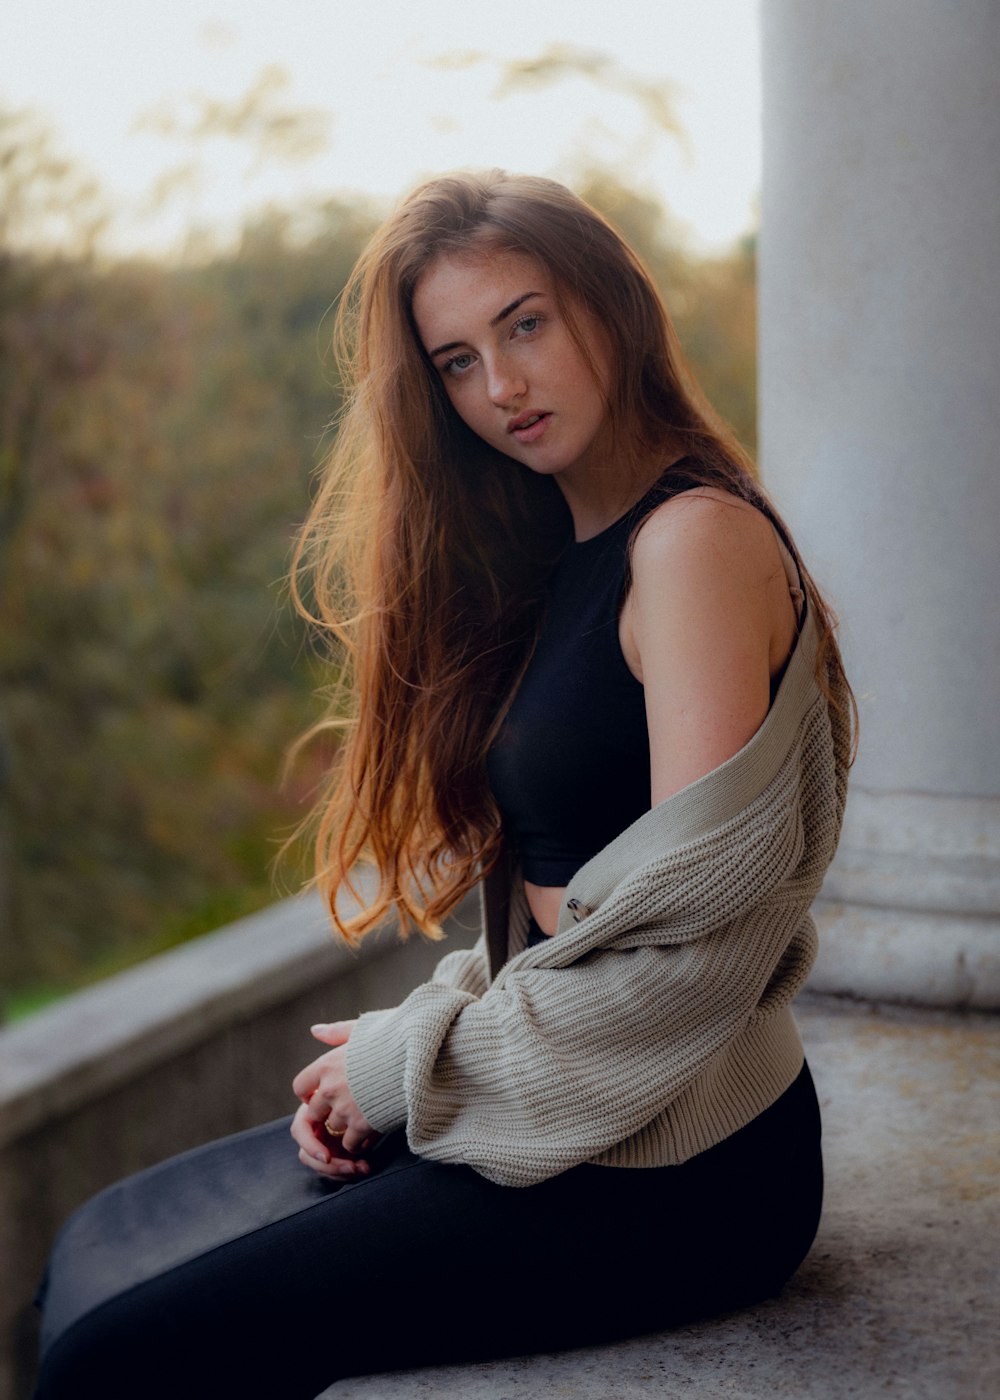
[457, 364]
[527, 324]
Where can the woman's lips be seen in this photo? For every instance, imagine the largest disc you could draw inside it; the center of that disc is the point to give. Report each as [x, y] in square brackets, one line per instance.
[532, 431]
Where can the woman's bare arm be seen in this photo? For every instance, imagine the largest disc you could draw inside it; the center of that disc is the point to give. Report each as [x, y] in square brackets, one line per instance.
[711, 619]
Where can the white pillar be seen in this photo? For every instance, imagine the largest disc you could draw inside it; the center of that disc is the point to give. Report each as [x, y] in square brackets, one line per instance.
[880, 433]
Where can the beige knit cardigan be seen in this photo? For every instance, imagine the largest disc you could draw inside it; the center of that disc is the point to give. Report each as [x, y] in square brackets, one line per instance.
[657, 1021]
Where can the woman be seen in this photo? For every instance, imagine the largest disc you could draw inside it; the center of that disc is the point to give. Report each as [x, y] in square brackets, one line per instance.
[589, 670]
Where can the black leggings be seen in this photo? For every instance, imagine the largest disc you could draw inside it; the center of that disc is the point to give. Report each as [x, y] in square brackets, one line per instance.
[234, 1270]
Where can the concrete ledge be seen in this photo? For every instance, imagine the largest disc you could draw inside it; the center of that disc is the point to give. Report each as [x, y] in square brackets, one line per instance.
[900, 1294]
[115, 1031]
[90, 1043]
[191, 1045]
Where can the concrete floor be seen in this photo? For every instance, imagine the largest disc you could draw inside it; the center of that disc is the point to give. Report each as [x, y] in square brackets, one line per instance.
[900, 1296]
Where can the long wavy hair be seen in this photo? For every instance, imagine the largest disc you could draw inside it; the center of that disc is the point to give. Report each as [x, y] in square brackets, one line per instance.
[427, 551]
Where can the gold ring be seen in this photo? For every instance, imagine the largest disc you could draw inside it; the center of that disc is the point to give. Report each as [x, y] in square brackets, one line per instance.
[334, 1132]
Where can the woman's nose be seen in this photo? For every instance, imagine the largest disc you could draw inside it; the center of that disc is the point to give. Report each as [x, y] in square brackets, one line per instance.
[505, 382]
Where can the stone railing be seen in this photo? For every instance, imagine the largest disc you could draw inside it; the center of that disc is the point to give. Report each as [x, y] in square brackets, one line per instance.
[196, 1043]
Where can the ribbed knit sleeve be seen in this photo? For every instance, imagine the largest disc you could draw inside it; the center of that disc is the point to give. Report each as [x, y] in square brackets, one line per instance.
[580, 1044]
[464, 969]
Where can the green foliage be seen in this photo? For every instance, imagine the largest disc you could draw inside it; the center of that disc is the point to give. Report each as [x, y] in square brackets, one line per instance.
[158, 430]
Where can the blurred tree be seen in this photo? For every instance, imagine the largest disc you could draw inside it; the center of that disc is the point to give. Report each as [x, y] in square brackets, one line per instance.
[158, 427]
[261, 121]
[557, 62]
[272, 128]
[46, 200]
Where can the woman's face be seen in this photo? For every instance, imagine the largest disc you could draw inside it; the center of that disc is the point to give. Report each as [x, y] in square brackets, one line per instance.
[491, 327]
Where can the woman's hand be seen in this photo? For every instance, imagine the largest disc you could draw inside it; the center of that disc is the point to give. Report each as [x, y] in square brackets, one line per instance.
[327, 1099]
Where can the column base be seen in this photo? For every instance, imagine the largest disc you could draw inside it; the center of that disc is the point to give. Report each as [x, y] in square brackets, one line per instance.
[910, 910]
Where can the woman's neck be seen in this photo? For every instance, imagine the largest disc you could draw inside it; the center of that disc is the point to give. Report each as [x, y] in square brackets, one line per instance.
[599, 498]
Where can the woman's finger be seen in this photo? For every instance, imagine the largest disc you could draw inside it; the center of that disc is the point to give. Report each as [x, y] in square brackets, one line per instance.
[354, 1139]
[307, 1133]
[333, 1032]
[324, 1154]
[339, 1168]
[305, 1082]
[316, 1108]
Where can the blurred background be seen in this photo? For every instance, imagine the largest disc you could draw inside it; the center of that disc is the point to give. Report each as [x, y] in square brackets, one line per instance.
[182, 195]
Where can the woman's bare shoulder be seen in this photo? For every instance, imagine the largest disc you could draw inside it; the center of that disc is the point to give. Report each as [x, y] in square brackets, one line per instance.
[705, 531]
[700, 633]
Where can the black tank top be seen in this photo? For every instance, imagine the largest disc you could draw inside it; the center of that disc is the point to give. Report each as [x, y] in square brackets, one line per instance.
[569, 768]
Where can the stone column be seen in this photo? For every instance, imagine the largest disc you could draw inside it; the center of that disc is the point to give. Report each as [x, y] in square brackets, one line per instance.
[880, 433]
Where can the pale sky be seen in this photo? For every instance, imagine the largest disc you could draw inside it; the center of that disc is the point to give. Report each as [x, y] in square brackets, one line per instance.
[92, 67]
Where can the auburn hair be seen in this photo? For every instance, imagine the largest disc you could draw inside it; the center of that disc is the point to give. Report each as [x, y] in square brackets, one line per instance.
[427, 552]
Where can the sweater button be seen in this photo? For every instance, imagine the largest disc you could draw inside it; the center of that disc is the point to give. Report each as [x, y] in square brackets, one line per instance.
[580, 910]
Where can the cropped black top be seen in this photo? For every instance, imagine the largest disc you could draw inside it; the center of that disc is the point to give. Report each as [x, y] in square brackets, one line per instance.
[569, 768]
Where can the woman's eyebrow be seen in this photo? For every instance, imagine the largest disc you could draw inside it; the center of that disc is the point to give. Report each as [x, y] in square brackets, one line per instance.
[500, 316]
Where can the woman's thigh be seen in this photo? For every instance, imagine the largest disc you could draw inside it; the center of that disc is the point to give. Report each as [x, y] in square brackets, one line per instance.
[420, 1262]
[236, 1270]
[168, 1285]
